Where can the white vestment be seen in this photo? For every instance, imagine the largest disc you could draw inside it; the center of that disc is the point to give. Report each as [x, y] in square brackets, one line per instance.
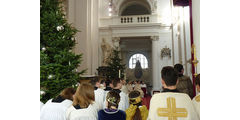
[55, 111]
[41, 105]
[171, 106]
[124, 89]
[99, 96]
[196, 103]
[123, 104]
[89, 113]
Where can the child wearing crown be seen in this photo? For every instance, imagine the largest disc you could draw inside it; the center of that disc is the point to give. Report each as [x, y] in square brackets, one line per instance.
[112, 112]
[136, 111]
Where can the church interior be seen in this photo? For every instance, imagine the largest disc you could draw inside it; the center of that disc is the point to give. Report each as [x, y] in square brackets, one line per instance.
[128, 40]
[144, 27]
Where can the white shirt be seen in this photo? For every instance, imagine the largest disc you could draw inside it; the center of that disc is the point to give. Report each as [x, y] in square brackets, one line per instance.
[90, 113]
[143, 85]
[41, 105]
[55, 111]
[124, 89]
[99, 96]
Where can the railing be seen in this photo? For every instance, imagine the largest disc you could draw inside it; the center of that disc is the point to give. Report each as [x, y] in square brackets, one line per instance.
[135, 19]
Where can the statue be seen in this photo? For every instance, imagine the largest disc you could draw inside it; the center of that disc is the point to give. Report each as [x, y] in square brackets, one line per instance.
[138, 70]
[106, 50]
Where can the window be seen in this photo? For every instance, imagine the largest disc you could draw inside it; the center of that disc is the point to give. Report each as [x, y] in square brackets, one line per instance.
[142, 59]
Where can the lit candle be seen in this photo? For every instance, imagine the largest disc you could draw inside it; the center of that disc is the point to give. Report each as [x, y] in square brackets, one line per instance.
[119, 72]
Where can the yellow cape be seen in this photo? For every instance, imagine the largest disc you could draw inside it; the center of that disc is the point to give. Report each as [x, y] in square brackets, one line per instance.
[132, 109]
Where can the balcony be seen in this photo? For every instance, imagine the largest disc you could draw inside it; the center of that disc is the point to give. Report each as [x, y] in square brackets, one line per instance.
[135, 19]
[126, 20]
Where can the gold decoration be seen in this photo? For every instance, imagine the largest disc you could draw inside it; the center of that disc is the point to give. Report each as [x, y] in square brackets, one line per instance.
[166, 52]
[112, 100]
[137, 100]
[197, 98]
[171, 111]
[130, 112]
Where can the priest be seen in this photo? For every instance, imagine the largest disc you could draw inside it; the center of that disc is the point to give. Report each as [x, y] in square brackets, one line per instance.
[171, 104]
[98, 92]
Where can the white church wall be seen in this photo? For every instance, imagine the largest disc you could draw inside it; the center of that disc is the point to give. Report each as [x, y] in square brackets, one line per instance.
[188, 69]
[181, 38]
[83, 14]
[164, 11]
[95, 35]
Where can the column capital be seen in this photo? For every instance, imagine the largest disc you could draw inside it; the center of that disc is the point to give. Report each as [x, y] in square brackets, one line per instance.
[154, 38]
[115, 39]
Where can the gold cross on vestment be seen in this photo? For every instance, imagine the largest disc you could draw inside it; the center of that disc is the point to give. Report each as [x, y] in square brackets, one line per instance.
[171, 111]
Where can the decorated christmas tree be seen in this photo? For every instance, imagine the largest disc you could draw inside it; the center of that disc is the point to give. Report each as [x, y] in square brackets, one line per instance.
[58, 64]
[116, 68]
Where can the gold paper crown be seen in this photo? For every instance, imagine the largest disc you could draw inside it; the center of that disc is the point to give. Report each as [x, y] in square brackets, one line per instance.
[136, 100]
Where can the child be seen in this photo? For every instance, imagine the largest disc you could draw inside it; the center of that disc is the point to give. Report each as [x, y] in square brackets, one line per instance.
[55, 109]
[136, 111]
[112, 112]
[84, 106]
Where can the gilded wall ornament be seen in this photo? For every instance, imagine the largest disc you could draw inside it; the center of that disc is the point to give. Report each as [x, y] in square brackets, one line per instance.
[166, 52]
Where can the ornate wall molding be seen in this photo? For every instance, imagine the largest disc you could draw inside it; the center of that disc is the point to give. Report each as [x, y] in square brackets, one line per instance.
[165, 52]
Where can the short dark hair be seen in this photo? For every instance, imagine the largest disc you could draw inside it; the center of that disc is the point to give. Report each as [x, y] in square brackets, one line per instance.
[197, 82]
[115, 82]
[169, 75]
[102, 81]
[94, 81]
[107, 82]
[178, 67]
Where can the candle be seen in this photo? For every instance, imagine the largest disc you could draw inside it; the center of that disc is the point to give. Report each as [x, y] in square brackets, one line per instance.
[119, 72]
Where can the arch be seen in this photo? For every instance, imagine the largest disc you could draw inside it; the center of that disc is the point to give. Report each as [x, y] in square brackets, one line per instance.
[135, 9]
[138, 56]
[121, 4]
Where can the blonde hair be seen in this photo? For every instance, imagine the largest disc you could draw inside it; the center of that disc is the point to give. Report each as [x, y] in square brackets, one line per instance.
[84, 95]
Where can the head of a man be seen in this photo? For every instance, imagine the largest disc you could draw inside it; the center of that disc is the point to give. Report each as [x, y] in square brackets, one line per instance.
[123, 81]
[179, 68]
[169, 76]
[117, 84]
[95, 82]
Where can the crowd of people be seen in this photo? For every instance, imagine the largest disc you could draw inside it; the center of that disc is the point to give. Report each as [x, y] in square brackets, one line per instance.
[116, 100]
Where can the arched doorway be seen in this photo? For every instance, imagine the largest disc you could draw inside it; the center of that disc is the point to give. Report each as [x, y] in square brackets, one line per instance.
[134, 7]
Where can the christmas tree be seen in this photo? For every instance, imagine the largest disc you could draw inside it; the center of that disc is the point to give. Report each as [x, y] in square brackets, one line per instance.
[58, 64]
[115, 65]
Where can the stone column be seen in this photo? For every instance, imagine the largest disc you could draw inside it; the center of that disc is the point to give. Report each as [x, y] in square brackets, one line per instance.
[155, 64]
